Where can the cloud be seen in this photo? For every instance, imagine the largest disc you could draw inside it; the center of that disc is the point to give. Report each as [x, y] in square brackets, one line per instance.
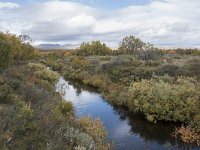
[8, 5]
[162, 22]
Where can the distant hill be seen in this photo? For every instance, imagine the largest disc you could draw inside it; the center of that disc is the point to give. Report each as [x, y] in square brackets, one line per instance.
[57, 46]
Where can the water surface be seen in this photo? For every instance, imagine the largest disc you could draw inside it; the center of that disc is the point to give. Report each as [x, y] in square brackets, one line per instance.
[129, 131]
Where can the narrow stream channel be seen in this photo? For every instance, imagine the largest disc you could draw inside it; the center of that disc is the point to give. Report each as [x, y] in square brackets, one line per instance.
[129, 131]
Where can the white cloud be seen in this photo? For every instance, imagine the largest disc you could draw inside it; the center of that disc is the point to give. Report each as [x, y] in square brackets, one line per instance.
[9, 5]
[162, 22]
[82, 20]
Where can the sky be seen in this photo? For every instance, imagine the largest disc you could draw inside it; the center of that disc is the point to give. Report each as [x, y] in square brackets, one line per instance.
[164, 23]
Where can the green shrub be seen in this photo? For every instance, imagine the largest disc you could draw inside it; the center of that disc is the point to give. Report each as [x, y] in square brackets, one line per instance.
[14, 84]
[149, 55]
[36, 66]
[127, 60]
[196, 122]
[79, 62]
[194, 69]
[1, 80]
[24, 110]
[131, 44]
[105, 58]
[28, 51]
[48, 75]
[172, 70]
[78, 138]
[12, 49]
[96, 130]
[94, 48]
[5, 94]
[153, 63]
[97, 81]
[160, 100]
[5, 52]
[64, 108]
[45, 84]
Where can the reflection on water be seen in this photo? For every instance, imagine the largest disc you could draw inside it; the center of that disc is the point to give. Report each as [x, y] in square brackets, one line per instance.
[129, 131]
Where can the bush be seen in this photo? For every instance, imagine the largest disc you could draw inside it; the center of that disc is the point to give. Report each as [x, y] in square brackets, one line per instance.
[153, 63]
[194, 69]
[24, 110]
[94, 48]
[196, 122]
[131, 44]
[160, 100]
[14, 84]
[79, 62]
[188, 135]
[149, 55]
[5, 94]
[5, 52]
[105, 58]
[1, 80]
[64, 108]
[78, 138]
[172, 70]
[96, 130]
[47, 75]
[28, 51]
[12, 48]
[36, 66]
[97, 81]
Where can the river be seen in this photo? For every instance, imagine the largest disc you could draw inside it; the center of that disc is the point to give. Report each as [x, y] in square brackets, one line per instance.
[129, 131]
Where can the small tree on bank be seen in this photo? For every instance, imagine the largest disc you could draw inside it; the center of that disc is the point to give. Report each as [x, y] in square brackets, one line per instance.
[131, 44]
[134, 45]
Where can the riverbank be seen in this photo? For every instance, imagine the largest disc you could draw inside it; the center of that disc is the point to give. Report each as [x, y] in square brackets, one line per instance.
[141, 86]
[34, 116]
[126, 129]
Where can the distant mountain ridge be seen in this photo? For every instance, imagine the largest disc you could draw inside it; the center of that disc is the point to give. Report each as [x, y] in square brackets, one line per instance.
[57, 46]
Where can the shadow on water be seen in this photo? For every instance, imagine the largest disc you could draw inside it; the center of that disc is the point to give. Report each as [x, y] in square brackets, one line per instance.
[159, 132]
[129, 130]
[139, 125]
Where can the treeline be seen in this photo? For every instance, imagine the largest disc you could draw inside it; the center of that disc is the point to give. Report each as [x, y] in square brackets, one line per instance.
[14, 49]
[130, 45]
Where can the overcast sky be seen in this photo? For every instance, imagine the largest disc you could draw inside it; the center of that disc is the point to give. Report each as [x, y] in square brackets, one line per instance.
[170, 23]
